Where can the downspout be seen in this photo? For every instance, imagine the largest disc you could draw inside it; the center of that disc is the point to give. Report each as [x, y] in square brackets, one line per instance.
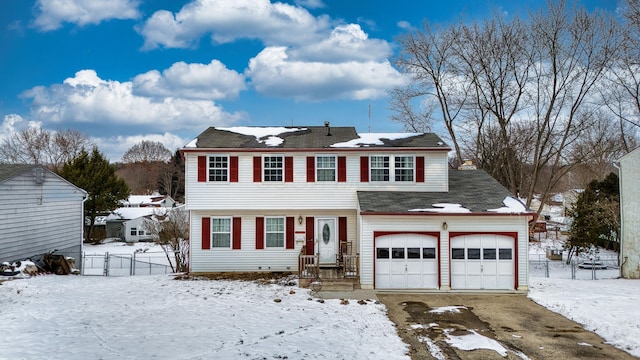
[621, 260]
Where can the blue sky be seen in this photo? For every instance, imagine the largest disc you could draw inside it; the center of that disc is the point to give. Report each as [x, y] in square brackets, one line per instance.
[123, 71]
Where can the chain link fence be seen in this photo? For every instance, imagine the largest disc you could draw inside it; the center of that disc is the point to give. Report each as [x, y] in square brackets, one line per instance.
[579, 268]
[108, 264]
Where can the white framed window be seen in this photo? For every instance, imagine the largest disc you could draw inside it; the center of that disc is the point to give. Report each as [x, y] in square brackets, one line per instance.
[380, 167]
[404, 168]
[218, 168]
[274, 232]
[325, 168]
[221, 232]
[401, 166]
[134, 231]
[141, 233]
[273, 168]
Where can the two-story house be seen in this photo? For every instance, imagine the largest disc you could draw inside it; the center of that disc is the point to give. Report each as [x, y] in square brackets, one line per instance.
[384, 207]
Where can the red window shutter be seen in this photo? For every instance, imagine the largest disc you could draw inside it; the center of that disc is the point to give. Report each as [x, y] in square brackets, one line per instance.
[311, 169]
[257, 169]
[206, 233]
[288, 169]
[364, 169]
[259, 233]
[202, 168]
[233, 169]
[310, 235]
[237, 233]
[420, 169]
[342, 228]
[342, 169]
[290, 232]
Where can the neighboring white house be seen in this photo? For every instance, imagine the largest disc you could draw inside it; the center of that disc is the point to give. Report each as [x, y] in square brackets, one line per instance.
[267, 199]
[126, 223]
[153, 200]
[630, 215]
[40, 212]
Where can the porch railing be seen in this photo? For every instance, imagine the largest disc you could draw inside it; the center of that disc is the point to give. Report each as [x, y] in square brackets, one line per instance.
[308, 265]
[350, 265]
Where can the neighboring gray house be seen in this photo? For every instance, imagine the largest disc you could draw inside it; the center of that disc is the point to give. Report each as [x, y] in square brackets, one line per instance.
[630, 215]
[127, 223]
[40, 212]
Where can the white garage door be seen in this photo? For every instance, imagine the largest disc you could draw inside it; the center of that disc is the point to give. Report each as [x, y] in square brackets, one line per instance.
[482, 262]
[406, 261]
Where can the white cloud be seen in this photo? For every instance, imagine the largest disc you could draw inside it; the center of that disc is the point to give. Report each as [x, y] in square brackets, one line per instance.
[88, 98]
[114, 147]
[50, 14]
[274, 74]
[345, 43]
[404, 25]
[226, 21]
[211, 81]
[311, 4]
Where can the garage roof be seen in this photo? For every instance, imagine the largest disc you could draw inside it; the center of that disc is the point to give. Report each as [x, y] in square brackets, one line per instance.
[474, 190]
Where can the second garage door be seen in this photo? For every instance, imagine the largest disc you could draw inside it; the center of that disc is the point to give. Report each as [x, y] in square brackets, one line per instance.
[482, 261]
[406, 261]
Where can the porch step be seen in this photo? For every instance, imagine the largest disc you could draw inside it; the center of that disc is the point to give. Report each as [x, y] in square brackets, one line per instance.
[337, 285]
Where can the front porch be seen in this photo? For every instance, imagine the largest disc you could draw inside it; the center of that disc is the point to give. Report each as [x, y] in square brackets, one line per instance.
[344, 275]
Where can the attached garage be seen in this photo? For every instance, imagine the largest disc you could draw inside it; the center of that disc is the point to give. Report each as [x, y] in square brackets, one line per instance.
[406, 261]
[483, 261]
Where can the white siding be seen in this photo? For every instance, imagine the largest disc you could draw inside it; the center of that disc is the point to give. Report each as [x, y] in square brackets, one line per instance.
[248, 258]
[630, 210]
[39, 218]
[432, 223]
[299, 194]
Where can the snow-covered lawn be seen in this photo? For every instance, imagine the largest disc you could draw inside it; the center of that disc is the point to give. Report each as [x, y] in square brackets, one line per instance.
[76, 317]
[143, 317]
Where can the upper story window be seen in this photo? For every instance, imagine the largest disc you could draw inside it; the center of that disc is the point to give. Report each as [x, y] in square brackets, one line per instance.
[325, 168]
[383, 166]
[218, 168]
[380, 168]
[404, 168]
[273, 168]
[221, 232]
[274, 232]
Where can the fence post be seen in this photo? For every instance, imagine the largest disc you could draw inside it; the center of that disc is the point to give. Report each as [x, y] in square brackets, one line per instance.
[106, 264]
[573, 269]
[133, 264]
[546, 269]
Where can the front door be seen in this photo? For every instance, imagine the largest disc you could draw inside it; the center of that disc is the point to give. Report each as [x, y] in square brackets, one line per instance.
[326, 240]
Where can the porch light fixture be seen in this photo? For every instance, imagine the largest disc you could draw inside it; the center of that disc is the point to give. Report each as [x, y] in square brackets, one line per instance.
[300, 219]
[445, 226]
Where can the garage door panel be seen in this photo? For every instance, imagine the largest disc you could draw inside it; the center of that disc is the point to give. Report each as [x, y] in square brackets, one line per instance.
[412, 261]
[487, 264]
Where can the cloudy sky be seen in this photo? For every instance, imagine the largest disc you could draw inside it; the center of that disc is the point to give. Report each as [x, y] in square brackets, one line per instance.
[123, 71]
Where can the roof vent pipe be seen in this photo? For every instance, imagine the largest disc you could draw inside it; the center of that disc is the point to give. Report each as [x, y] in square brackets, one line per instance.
[327, 125]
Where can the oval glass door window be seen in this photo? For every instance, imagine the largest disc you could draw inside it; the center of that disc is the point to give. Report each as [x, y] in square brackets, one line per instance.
[326, 233]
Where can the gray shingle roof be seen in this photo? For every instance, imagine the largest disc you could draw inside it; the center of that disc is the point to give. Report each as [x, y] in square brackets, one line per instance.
[312, 137]
[473, 189]
[8, 171]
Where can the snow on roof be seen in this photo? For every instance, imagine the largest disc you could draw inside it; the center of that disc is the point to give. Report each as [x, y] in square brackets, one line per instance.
[261, 132]
[128, 213]
[367, 139]
[192, 144]
[144, 199]
[511, 206]
[444, 208]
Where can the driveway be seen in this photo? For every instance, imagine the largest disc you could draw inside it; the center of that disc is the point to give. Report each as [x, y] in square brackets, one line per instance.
[525, 329]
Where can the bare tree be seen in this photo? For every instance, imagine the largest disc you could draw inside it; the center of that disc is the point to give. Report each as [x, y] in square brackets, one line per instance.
[147, 151]
[518, 94]
[172, 233]
[34, 145]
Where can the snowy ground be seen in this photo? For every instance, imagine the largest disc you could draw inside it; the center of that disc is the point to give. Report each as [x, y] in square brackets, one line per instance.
[75, 317]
